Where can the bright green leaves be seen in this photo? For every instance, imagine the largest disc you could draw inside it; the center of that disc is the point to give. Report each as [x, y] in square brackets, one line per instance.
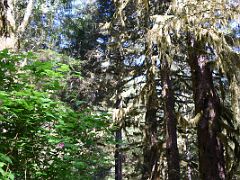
[47, 74]
[42, 136]
[27, 105]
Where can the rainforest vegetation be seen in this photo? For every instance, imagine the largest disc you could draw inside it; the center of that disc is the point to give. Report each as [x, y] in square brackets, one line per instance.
[119, 89]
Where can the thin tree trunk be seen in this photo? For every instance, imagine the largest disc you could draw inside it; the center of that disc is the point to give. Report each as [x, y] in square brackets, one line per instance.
[172, 153]
[211, 153]
[118, 155]
[189, 169]
[118, 140]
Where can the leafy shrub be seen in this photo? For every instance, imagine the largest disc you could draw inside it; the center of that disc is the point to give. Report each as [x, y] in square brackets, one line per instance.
[42, 136]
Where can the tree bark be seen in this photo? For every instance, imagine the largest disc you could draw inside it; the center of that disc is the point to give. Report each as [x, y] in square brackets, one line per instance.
[172, 153]
[9, 33]
[151, 150]
[118, 155]
[7, 26]
[118, 140]
[188, 153]
[211, 153]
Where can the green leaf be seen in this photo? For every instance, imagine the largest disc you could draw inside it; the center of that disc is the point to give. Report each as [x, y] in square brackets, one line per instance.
[11, 176]
[80, 165]
[5, 158]
[2, 164]
[4, 53]
[63, 68]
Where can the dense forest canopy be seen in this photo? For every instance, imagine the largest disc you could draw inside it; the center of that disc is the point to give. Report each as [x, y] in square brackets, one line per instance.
[120, 89]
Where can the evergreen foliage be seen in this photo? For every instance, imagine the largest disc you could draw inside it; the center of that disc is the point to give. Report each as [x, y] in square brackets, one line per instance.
[167, 71]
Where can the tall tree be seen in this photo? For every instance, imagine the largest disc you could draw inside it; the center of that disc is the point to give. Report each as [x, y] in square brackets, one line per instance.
[211, 159]
[151, 145]
[171, 122]
[201, 46]
[151, 152]
[118, 139]
[175, 31]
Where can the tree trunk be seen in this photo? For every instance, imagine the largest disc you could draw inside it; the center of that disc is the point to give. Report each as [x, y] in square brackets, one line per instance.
[211, 158]
[118, 155]
[118, 140]
[151, 154]
[9, 33]
[151, 149]
[188, 153]
[7, 26]
[172, 153]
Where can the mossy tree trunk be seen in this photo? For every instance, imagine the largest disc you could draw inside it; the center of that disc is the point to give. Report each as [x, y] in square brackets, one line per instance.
[172, 152]
[211, 153]
[151, 150]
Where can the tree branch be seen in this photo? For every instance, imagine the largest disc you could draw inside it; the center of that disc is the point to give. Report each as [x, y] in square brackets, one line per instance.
[26, 17]
[10, 16]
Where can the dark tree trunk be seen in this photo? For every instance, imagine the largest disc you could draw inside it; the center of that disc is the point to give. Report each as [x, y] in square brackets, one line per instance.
[172, 153]
[118, 155]
[211, 158]
[118, 140]
[151, 149]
